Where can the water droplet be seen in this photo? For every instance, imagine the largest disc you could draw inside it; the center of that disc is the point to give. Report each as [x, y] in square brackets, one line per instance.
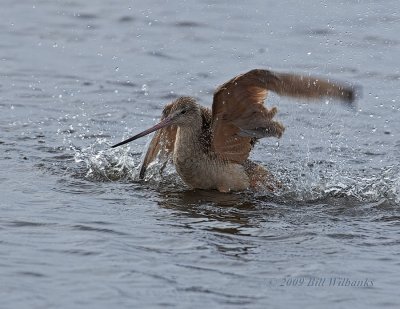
[144, 89]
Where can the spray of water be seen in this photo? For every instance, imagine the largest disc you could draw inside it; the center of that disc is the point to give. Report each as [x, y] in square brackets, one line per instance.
[317, 182]
[303, 181]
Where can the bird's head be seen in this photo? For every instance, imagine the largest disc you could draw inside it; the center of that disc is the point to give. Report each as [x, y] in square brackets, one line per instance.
[183, 112]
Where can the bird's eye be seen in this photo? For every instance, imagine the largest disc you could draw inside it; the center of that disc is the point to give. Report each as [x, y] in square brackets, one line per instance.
[183, 111]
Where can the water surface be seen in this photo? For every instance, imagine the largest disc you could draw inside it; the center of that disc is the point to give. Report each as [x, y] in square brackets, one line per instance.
[79, 230]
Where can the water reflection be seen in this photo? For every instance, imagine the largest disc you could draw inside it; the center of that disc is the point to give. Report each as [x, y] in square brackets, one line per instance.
[234, 213]
[228, 221]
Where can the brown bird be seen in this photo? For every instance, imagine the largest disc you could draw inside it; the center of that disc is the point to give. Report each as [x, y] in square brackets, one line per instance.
[210, 148]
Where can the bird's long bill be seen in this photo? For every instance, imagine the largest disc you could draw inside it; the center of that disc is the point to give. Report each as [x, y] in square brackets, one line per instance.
[167, 121]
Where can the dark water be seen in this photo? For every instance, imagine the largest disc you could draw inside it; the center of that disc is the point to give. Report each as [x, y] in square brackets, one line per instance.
[77, 229]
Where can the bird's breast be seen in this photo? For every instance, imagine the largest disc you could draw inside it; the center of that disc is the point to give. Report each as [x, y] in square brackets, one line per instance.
[199, 170]
[203, 170]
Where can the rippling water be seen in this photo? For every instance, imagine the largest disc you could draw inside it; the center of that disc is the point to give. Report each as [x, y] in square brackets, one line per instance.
[79, 230]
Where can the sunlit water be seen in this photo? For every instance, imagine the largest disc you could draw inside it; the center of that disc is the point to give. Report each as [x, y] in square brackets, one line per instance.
[79, 230]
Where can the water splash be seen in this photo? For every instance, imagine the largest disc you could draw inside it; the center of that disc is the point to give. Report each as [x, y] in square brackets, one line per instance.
[120, 164]
[319, 181]
[109, 164]
[302, 181]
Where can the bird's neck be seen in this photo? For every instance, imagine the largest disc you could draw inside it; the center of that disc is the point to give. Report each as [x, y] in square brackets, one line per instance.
[188, 139]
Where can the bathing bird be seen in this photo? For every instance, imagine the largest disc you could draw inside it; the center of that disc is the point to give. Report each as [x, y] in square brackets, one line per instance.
[210, 147]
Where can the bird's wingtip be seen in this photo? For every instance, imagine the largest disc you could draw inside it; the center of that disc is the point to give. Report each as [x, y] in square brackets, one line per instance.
[351, 97]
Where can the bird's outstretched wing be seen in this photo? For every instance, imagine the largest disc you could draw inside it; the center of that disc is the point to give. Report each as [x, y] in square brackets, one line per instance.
[161, 146]
[239, 116]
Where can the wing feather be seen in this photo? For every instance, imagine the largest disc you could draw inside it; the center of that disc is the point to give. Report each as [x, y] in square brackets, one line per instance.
[239, 115]
[161, 146]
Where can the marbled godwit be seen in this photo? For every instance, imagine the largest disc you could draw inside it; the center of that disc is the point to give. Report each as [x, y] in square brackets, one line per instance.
[210, 148]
